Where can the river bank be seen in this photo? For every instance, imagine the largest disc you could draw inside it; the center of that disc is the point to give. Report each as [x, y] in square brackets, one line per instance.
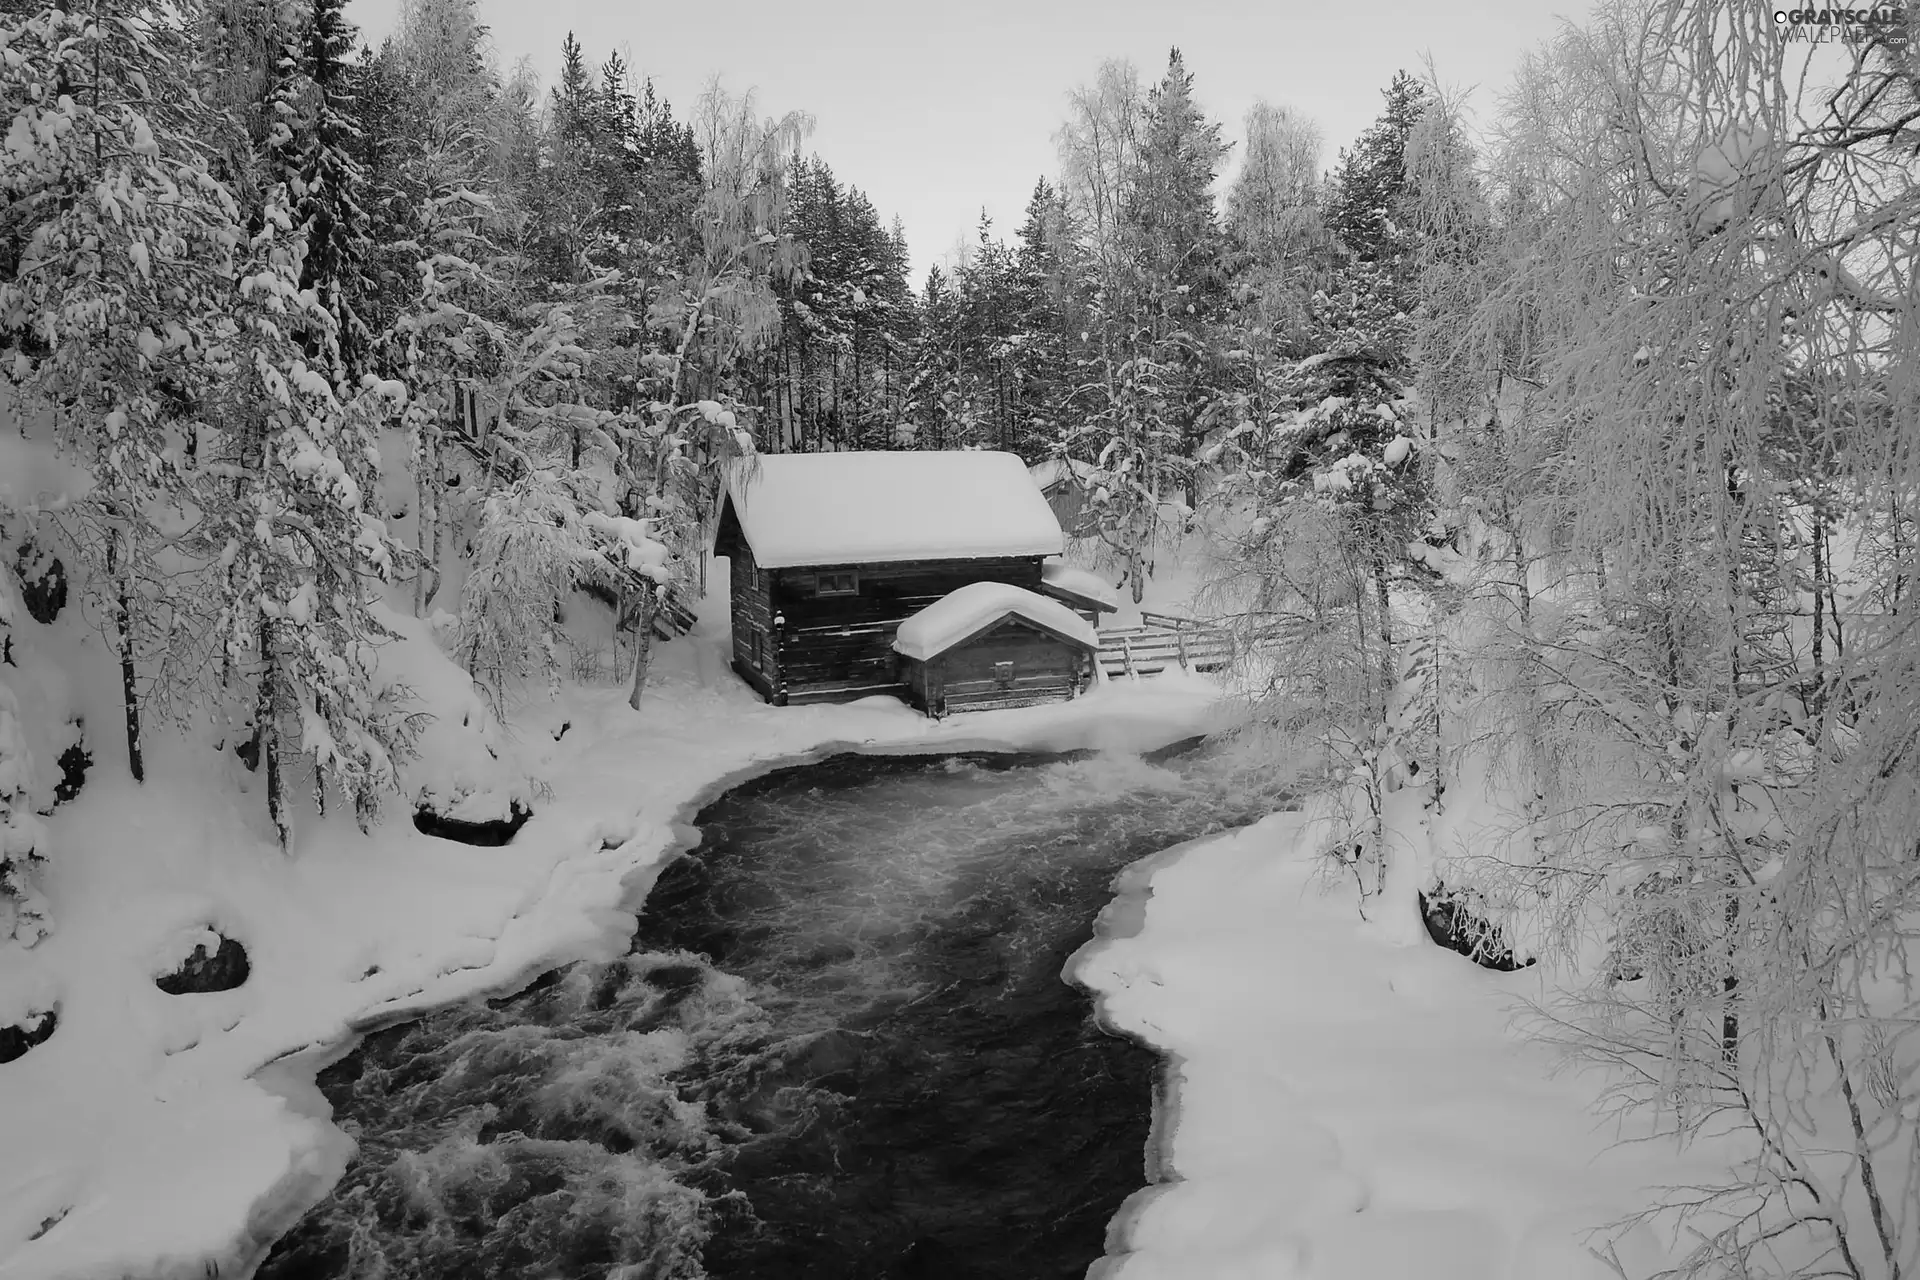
[145, 1139]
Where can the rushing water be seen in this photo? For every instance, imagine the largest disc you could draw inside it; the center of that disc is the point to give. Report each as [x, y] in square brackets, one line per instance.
[840, 1048]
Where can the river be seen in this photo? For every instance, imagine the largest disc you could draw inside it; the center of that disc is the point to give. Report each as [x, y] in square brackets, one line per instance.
[840, 1047]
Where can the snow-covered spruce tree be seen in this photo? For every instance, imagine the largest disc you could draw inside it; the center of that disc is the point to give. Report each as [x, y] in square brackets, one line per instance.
[1180, 248]
[1046, 304]
[1282, 254]
[1328, 480]
[718, 311]
[621, 489]
[1137, 168]
[533, 547]
[1712, 311]
[328, 185]
[441, 303]
[845, 316]
[285, 504]
[121, 251]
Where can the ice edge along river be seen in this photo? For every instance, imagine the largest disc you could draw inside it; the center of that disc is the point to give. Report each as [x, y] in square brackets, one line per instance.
[1133, 719]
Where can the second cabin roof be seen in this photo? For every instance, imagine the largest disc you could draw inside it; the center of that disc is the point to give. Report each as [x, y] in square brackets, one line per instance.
[807, 509]
[961, 615]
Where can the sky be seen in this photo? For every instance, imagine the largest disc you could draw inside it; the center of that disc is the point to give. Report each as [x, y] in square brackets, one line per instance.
[938, 111]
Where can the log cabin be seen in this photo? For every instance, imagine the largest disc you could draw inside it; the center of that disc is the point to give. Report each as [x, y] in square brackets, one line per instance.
[831, 552]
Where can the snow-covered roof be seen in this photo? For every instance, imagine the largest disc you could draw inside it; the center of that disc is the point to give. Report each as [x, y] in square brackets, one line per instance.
[1057, 577]
[883, 507]
[968, 611]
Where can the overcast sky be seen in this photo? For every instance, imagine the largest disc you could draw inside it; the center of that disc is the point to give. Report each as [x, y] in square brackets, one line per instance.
[938, 110]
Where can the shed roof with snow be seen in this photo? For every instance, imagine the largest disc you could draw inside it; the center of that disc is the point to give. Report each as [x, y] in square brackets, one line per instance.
[1078, 587]
[804, 509]
[960, 615]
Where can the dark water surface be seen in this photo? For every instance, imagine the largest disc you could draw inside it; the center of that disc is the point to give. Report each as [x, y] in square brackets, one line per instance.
[840, 1048]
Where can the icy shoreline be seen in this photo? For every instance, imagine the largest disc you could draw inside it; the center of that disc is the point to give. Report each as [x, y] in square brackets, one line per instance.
[583, 909]
[1339, 1102]
[1123, 919]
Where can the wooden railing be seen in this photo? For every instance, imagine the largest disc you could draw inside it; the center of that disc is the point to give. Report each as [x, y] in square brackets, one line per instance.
[1163, 642]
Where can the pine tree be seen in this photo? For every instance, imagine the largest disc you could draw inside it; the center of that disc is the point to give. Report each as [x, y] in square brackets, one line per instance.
[329, 186]
[1366, 200]
[1170, 203]
[1043, 297]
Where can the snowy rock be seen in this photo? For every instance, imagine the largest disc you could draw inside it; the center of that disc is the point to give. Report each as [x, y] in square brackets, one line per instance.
[43, 583]
[74, 763]
[222, 969]
[1397, 450]
[486, 833]
[1453, 922]
[35, 1029]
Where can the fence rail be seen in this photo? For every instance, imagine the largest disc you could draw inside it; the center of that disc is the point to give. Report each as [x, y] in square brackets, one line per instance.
[1164, 641]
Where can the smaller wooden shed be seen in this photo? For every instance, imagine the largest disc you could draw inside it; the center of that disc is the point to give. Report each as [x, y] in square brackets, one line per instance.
[1068, 486]
[993, 644]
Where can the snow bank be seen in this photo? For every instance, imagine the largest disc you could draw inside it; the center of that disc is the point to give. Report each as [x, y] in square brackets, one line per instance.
[962, 613]
[877, 508]
[33, 477]
[1342, 1106]
[174, 1135]
[1080, 582]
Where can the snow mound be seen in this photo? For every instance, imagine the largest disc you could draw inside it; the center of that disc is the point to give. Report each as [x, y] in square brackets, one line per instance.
[1071, 580]
[966, 612]
[800, 509]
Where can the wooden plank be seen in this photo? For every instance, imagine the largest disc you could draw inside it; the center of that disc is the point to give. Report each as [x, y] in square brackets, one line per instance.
[1005, 700]
[845, 691]
[1172, 621]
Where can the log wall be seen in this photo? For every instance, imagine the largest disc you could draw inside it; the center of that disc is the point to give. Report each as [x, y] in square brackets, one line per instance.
[844, 644]
[1008, 665]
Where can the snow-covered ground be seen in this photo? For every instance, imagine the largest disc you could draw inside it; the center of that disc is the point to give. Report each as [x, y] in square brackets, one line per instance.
[139, 1140]
[1346, 1102]
[1350, 1102]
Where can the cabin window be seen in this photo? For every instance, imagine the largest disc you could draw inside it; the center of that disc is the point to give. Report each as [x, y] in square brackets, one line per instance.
[844, 583]
[1003, 674]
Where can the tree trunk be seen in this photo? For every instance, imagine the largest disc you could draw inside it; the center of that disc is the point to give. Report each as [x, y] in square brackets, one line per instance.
[1730, 989]
[430, 490]
[123, 642]
[266, 733]
[1384, 597]
[643, 644]
[1819, 693]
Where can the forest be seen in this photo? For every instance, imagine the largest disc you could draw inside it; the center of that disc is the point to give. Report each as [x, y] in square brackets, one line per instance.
[1568, 451]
